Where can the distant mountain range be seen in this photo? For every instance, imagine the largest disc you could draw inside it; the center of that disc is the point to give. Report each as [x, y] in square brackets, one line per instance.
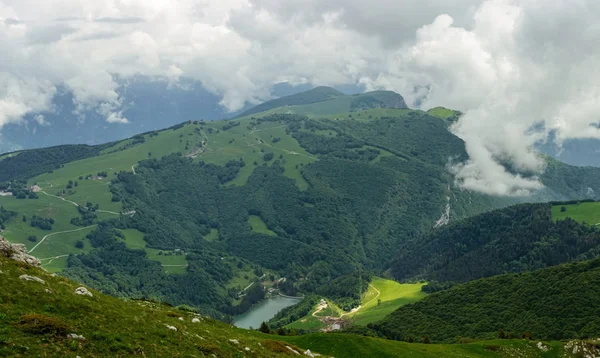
[152, 104]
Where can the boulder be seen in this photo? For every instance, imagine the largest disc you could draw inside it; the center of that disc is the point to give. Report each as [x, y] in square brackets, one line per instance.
[234, 341]
[83, 291]
[76, 336]
[195, 320]
[172, 328]
[17, 252]
[309, 353]
[32, 278]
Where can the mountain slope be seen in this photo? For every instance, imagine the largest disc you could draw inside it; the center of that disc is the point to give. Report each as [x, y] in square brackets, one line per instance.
[515, 239]
[550, 303]
[317, 94]
[322, 101]
[343, 195]
[42, 315]
[48, 318]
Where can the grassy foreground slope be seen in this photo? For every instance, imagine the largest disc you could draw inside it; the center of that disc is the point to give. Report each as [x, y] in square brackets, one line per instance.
[559, 302]
[38, 320]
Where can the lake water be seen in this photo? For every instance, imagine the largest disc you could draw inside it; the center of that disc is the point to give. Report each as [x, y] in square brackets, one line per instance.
[263, 311]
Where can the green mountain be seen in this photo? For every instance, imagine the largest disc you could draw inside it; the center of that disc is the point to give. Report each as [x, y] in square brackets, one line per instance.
[324, 101]
[516, 239]
[197, 213]
[550, 303]
[42, 314]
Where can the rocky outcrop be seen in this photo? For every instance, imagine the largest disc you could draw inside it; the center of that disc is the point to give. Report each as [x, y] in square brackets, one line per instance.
[83, 291]
[17, 252]
[32, 278]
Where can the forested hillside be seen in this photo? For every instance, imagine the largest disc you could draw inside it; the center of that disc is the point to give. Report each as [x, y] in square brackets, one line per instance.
[559, 302]
[196, 213]
[516, 239]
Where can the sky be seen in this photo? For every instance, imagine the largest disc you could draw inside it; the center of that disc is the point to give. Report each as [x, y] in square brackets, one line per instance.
[520, 70]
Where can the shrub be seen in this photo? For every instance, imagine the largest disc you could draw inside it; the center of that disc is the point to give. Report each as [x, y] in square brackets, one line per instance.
[43, 325]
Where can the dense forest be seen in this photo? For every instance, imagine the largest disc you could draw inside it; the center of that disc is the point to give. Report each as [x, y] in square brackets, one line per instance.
[515, 239]
[559, 302]
[29, 163]
[5, 215]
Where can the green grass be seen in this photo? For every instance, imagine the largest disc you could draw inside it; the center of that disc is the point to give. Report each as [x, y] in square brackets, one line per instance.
[212, 236]
[172, 263]
[442, 112]
[308, 323]
[331, 310]
[112, 161]
[259, 226]
[112, 327]
[392, 295]
[584, 212]
[251, 145]
[8, 155]
[350, 346]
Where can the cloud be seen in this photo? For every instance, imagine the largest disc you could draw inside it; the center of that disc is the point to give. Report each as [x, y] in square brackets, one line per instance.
[121, 20]
[521, 71]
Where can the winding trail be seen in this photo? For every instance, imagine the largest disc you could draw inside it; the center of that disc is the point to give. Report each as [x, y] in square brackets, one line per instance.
[77, 205]
[366, 304]
[61, 198]
[133, 168]
[52, 259]
[60, 232]
[354, 310]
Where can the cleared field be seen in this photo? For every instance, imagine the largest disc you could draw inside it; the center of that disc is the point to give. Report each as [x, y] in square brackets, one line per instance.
[308, 323]
[18, 230]
[584, 212]
[383, 297]
[441, 112]
[171, 261]
[212, 236]
[112, 161]
[259, 226]
[251, 142]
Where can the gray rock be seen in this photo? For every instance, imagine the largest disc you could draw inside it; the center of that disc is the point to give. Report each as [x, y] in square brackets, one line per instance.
[83, 291]
[76, 336]
[32, 278]
[172, 328]
[17, 252]
[195, 320]
[309, 353]
[234, 341]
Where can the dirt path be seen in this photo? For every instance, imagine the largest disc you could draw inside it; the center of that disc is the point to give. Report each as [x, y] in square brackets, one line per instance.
[354, 310]
[319, 309]
[77, 205]
[61, 198]
[60, 232]
[133, 168]
[52, 259]
[361, 306]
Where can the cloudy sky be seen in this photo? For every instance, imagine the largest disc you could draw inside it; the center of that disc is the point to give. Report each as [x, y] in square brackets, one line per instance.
[517, 69]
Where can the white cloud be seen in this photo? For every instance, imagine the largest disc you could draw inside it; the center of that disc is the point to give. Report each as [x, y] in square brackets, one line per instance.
[509, 65]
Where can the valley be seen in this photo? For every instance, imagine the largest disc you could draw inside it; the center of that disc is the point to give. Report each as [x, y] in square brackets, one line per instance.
[346, 201]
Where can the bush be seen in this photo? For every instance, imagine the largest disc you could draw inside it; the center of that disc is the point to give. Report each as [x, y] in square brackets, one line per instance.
[32, 238]
[43, 325]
